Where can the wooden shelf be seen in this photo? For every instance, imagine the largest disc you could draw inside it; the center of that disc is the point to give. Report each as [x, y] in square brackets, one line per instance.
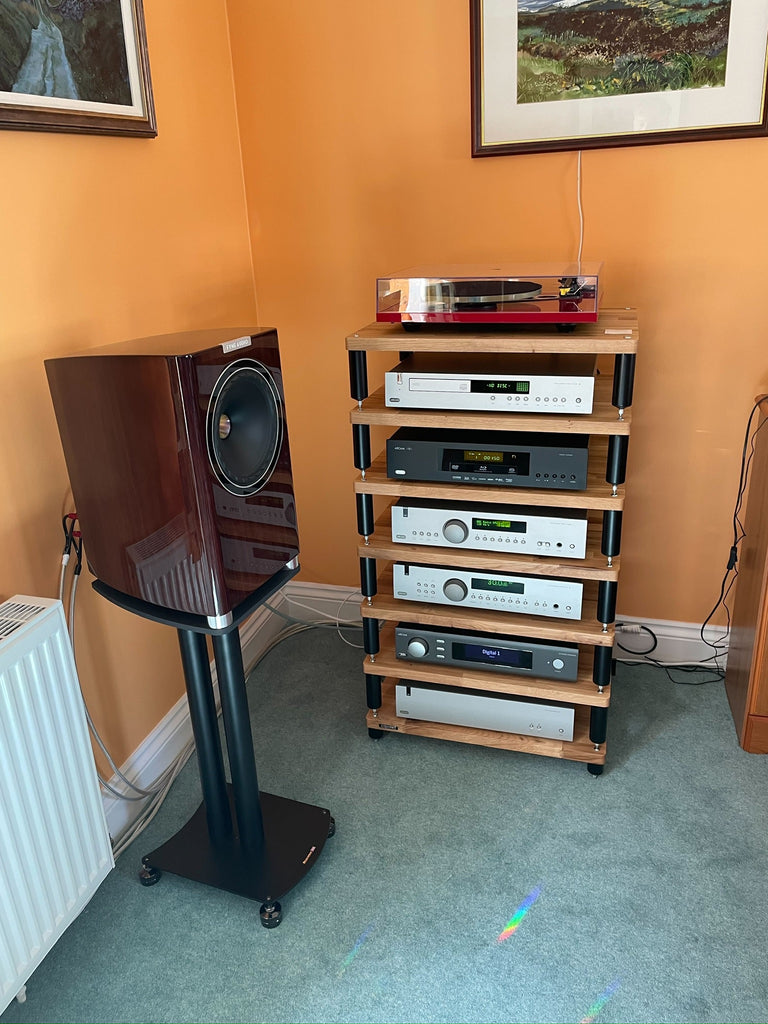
[616, 331]
[604, 418]
[582, 691]
[593, 567]
[580, 748]
[598, 494]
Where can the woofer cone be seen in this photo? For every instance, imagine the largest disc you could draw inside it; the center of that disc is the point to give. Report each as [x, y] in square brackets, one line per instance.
[244, 427]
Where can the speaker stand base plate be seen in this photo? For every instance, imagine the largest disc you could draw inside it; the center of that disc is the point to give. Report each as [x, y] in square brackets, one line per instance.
[294, 836]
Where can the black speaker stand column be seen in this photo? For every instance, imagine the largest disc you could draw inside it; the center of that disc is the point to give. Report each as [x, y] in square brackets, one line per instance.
[253, 844]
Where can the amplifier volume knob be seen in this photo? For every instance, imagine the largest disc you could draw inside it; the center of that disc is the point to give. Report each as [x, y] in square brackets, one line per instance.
[417, 647]
[455, 532]
[454, 590]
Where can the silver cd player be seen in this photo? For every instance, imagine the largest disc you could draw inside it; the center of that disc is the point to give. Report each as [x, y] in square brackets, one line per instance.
[495, 652]
[497, 591]
[557, 383]
[482, 710]
[490, 458]
[515, 529]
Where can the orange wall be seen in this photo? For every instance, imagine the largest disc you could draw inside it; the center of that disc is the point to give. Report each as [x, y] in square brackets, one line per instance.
[354, 120]
[105, 239]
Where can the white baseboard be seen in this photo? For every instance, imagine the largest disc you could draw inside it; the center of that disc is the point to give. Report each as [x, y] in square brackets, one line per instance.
[676, 642]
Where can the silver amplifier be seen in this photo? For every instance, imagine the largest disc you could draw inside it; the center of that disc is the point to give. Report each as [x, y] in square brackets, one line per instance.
[515, 529]
[481, 710]
[516, 655]
[558, 383]
[497, 591]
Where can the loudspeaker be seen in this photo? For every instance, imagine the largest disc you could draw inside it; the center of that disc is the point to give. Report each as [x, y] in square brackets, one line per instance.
[177, 453]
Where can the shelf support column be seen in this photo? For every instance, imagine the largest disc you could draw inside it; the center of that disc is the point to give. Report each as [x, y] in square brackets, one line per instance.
[368, 577]
[616, 471]
[623, 381]
[606, 602]
[611, 538]
[602, 667]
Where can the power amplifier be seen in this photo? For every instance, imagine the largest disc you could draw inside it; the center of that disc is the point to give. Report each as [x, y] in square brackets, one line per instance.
[516, 529]
[499, 591]
[516, 655]
[489, 458]
[481, 710]
[559, 383]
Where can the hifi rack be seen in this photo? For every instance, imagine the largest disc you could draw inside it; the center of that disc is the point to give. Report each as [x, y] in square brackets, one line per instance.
[608, 425]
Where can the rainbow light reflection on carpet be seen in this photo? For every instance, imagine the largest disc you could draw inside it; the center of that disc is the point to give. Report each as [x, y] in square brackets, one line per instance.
[356, 948]
[514, 922]
[599, 1003]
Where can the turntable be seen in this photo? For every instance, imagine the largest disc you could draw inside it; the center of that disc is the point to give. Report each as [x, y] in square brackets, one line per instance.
[551, 293]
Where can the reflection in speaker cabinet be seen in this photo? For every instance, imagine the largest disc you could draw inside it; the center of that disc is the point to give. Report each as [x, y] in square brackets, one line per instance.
[177, 453]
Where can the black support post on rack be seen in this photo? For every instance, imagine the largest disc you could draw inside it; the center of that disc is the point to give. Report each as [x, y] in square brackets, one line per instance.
[610, 544]
[623, 380]
[602, 664]
[358, 375]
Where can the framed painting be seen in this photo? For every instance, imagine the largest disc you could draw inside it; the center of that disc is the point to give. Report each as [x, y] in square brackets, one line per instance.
[75, 66]
[575, 74]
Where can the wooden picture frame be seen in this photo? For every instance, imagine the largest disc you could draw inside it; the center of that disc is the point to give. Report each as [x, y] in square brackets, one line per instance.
[75, 66]
[556, 76]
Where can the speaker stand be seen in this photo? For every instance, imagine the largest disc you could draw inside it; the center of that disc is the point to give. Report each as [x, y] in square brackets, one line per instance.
[253, 844]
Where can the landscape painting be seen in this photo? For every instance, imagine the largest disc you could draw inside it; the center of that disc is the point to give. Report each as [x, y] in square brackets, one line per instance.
[74, 65]
[575, 74]
[579, 49]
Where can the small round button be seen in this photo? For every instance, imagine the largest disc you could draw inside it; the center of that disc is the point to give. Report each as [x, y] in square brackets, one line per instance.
[557, 664]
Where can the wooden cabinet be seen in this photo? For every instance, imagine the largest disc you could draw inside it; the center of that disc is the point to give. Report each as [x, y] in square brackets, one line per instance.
[608, 425]
[746, 677]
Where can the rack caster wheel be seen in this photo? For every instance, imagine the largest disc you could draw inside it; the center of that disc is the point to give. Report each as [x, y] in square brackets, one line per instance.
[331, 827]
[271, 914]
[595, 769]
[149, 875]
[375, 734]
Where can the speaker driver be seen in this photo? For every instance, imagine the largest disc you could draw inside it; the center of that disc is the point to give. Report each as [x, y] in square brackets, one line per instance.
[244, 427]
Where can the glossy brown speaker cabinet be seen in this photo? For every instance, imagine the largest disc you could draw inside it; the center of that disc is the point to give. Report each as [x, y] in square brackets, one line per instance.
[177, 453]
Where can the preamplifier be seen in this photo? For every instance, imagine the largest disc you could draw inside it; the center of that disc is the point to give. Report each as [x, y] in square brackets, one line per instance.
[480, 710]
[497, 591]
[516, 655]
[492, 458]
[557, 383]
[515, 529]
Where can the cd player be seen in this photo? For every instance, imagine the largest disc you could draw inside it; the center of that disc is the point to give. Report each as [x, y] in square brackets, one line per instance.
[542, 383]
[492, 458]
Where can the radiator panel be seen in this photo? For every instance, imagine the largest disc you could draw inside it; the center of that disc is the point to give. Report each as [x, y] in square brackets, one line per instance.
[54, 843]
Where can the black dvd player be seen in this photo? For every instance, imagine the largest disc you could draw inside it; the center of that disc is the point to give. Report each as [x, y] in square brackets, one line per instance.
[489, 457]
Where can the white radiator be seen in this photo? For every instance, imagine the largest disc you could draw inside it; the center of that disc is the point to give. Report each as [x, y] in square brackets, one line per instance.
[54, 844]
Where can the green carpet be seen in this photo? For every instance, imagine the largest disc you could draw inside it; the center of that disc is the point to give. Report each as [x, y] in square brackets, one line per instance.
[638, 895]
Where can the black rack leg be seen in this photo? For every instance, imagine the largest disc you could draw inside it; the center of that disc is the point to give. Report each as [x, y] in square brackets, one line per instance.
[371, 637]
[611, 537]
[606, 602]
[616, 472]
[365, 515]
[361, 446]
[373, 699]
[598, 729]
[358, 375]
[368, 577]
[623, 380]
[602, 667]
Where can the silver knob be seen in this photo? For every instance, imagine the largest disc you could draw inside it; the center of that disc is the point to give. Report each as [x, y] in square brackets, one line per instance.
[417, 647]
[558, 663]
[455, 532]
[455, 590]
